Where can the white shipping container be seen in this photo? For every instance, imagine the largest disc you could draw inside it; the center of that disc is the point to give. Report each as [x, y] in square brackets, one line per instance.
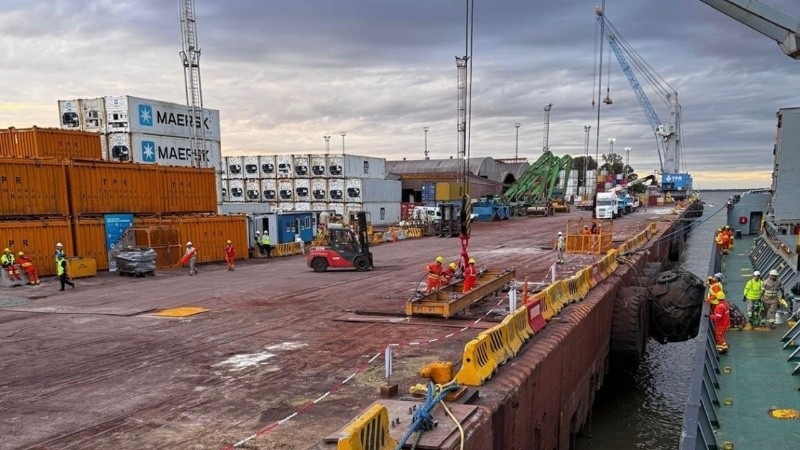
[573, 174]
[301, 163]
[336, 190]
[335, 166]
[244, 208]
[302, 206]
[356, 166]
[285, 206]
[319, 206]
[561, 175]
[164, 150]
[337, 208]
[319, 190]
[269, 190]
[267, 167]
[234, 168]
[372, 190]
[251, 168]
[319, 165]
[139, 115]
[302, 189]
[286, 190]
[223, 190]
[93, 115]
[69, 114]
[284, 165]
[235, 190]
[380, 213]
[252, 191]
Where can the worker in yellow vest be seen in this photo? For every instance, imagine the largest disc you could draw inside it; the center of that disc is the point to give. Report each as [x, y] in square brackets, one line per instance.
[10, 264]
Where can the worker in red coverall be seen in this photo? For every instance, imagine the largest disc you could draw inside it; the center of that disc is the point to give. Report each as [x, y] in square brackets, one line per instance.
[434, 270]
[720, 315]
[729, 232]
[449, 273]
[470, 275]
[30, 269]
[230, 254]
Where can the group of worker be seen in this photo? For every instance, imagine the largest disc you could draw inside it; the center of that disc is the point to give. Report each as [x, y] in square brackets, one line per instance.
[263, 244]
[762, 298]
[15, 265]
[724, 239]
[720, 313]
[439, 276]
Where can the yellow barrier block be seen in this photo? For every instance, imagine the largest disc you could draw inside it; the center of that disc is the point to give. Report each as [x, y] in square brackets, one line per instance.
[546, 302]
[498, 344]
[477, 364]
[560, 295]
[523, 326]
[509, 326]
[369, 431]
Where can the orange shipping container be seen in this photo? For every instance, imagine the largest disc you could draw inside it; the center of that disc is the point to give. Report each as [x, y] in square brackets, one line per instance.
[207, 233]
[33, 187]
[103, 187]
[50, 143]
[90, 240]
[38, 238]
[187, 190]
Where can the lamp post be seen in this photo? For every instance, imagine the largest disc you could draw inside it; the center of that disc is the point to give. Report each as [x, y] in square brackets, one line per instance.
[425, 129]
[586, 129]
[627, 163]
[343, 134]
[611, 153]
[327, 144]
[516, 146]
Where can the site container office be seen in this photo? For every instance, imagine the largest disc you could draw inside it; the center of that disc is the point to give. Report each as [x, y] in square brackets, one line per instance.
[291, 223]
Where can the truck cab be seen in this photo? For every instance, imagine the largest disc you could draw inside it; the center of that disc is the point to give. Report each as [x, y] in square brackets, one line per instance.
[607, 205]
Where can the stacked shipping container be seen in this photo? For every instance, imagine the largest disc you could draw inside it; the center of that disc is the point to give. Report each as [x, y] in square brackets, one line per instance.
[313, 182]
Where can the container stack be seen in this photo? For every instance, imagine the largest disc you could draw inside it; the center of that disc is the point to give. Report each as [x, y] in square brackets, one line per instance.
[50, 193]
[313, 182]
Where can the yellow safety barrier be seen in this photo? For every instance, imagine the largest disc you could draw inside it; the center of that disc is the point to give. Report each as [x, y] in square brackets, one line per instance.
[498, 343]
[514, 343]
[523, 326]
[560, 295]
[369, 431]
[477, 364]
[577, 290]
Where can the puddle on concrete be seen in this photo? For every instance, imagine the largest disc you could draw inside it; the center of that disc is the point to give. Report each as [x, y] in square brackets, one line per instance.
[245, 360]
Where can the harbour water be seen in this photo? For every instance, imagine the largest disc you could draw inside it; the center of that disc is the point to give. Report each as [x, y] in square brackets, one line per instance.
[644, 409]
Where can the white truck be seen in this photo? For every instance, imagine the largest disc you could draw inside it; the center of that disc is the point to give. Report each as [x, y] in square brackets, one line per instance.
[607, 205]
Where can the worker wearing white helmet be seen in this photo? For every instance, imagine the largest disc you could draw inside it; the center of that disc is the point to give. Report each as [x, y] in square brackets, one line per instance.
[190, 257]
[771, 294]
[752, 299]
[59, 255]
[560, 248]
[258, 246]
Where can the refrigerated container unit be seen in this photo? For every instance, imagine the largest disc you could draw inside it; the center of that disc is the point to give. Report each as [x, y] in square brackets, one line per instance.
[33, 187]
[234, 168]
[267, 167]
[250, 167]
[223, 190]
[302, 206]
[336, 190]
[286, 190]
[302, 189]
[252, 191]
[38, 142]
[319, 190]
[337, 208]
[285, 206]
[319, 206]
[301, 166]
[69, 112]
[372, 190]
[269, 190]
[163, 150]
[236, 191]
[284, 165]
[130, 114]
[319, 166]
[336, 166]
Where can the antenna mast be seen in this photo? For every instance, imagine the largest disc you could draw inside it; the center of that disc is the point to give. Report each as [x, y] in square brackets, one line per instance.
[190, 56]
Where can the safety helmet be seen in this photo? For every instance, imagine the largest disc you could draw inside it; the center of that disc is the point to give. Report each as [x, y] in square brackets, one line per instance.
[258, 232]
[560, 233]
[472, 260]
[21, 254]
[59, 244]
[718, 275]
[439, 259]
[773, 273]
[586, 226]
[6, 250]
[228, 241]
[453, 266]
[189, 244]
[756, 274]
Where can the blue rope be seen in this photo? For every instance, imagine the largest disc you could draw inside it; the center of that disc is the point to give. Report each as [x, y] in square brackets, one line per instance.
[422, 420]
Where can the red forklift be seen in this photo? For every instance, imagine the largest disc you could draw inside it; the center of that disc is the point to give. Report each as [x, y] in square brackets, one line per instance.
[346, 249]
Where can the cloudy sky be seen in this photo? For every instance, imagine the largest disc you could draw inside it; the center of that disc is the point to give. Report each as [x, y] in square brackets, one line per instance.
[285, 73]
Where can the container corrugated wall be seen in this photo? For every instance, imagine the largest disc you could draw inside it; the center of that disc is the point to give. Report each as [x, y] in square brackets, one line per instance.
[90, 240]
[33, 187]
[98, 187]
[38, 238]
[207, 233]
[187, 190]
[50, 143]
[449, 190]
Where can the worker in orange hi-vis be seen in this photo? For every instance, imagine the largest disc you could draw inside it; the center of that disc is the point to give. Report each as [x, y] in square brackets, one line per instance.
[449, 273]
[29, 268]
[470, 275]
[434, 270]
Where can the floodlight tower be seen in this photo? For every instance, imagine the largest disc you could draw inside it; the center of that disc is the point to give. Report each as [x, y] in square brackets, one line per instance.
[190, 56]
[546, 145]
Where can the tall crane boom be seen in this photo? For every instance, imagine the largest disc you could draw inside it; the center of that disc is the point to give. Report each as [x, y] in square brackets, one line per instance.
[780, 27]
[190, 56]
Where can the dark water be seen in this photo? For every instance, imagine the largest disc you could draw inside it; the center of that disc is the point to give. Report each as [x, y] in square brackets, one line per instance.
[644, 409]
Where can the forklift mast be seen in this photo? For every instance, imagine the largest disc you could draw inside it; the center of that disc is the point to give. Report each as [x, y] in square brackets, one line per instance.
[363, 237]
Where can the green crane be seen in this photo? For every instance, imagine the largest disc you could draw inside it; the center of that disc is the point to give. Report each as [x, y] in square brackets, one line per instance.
[538, 183]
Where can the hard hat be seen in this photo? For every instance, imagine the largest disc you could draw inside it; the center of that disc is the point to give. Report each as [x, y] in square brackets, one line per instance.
[453, 266]
[6, 250]
[439, 259]
[228, 241]
[258, 232]
[189, 244]
[472, 260]
[21, 254]
[756, 274]
[773, 272]
[560, 233]
[586, 226]
[59, 244]
[718, 275]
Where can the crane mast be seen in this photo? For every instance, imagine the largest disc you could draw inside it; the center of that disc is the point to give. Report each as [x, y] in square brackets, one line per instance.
[190, 56]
